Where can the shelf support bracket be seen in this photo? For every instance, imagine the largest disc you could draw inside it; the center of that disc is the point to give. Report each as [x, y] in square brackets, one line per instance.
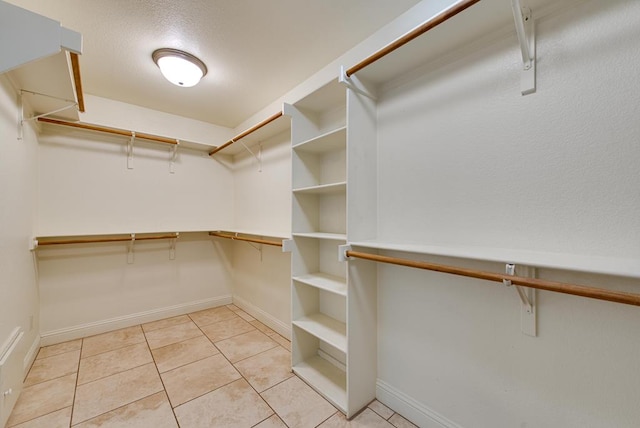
[528, 310]
[355, 84]
[258, 248]
[130, 252]
[174, 156]
[172, 249]
[23, 119]
[258, 158]
[342, 252]
[130, 150]
[525, 29]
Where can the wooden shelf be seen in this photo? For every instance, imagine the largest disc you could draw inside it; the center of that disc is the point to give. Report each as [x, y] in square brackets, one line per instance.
[325, 328]
[323, 189]
[327, 142]
[322, 235]
[579, 263]
[327, 379]
[323, 281]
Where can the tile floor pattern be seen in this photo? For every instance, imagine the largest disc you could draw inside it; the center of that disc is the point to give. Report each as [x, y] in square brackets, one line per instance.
[214, 368]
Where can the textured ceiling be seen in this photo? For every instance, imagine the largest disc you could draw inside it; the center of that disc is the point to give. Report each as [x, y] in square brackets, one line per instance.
[255, 50]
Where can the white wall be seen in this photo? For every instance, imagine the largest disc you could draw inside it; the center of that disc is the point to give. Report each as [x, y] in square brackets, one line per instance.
[262, 283]
[87, 289]
[85, 187]
[18, 181]
[464, 159]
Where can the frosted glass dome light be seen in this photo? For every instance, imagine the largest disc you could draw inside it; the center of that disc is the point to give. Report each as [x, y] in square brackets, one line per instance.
[178, 67]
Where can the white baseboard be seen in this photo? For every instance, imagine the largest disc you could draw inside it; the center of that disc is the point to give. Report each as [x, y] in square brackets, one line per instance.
[97, 327]
[32, 353]
[411, 409]
[265, 318]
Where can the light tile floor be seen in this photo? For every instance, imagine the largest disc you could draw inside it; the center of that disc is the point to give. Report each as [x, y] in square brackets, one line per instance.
[214, 368]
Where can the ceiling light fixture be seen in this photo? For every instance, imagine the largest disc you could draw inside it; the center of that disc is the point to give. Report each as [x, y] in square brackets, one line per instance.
[179, 67]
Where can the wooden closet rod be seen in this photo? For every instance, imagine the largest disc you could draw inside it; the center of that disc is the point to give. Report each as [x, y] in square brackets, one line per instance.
[423, 28]
[75, 66]
[240, 238]
[558, 287]
[105, 239]
[115, 131]
[247, 132]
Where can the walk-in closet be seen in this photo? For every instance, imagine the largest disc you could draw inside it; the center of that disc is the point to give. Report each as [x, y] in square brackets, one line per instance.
[352, 213]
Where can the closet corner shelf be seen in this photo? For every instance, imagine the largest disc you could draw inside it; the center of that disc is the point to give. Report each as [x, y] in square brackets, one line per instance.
[329, 141]
[328, 380]
[625, 267]
[322, 235]
[323, 189]
[323, 281]
[55, 91]
[248, 237]
[324, 328]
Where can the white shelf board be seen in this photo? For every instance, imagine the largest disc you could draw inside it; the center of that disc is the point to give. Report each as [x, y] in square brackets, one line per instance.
[323, 281]
[325, 328]
[573, 262]
[322, 235]
[323, 189]
[461, 31]
[53, 235]
[49, 76]
[330, 141]
[327, 379]
[255, 232]
[327, 97]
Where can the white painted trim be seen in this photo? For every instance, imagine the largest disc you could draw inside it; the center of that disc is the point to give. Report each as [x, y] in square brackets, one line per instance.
[264, 317]
[90, 329]
[411, 409]
[32, 353]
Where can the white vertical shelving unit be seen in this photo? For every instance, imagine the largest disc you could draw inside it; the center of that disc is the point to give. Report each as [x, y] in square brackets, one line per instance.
[334, 340]
[319, 286]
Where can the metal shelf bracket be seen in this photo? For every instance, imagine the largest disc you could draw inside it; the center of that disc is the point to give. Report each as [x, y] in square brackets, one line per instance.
[525, 29]
[352, 82]
[258, 158]
[174, 156]
[130, 150]
[23, 119]
[130, 252]
[172, 249]
[528, 310]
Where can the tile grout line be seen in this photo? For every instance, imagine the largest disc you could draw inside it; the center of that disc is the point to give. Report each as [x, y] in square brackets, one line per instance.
[160, 328]
[242, 376]
[115, 373]
[114, 349]
[164, 388]
[332, 415]
[104, 377]
[75, 389]
[50, 379]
